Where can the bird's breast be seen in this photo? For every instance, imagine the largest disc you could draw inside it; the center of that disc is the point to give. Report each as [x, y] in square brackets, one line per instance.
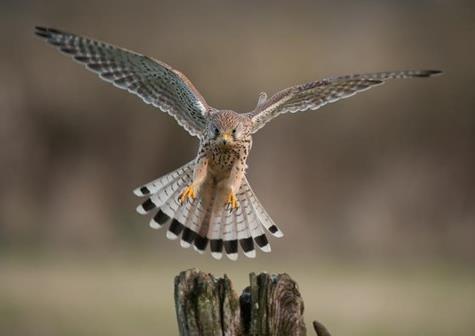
[221, 159]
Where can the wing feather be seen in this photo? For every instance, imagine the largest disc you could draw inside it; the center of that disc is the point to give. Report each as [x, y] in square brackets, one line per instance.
[155, 82]
[313, 95]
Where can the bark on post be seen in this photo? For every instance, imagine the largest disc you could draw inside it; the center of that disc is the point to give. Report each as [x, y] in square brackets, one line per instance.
[206, 305]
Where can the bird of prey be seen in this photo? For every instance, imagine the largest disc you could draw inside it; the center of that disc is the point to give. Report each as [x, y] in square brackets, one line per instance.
[208, 201]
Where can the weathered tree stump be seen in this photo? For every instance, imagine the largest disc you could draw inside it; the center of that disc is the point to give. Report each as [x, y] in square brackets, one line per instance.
[208, 306]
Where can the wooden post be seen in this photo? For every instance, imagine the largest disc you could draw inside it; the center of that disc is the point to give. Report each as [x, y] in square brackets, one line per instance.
[208, 306]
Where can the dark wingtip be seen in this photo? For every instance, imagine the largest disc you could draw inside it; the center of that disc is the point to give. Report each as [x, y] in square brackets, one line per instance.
[429, 73]
[42, 32]
[46, 32]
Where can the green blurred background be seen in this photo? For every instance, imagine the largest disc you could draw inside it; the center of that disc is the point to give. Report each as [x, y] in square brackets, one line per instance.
[375, 194]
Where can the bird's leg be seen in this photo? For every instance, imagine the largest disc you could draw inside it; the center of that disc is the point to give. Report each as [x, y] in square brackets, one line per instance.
[233, 183]
[199, 176]
[232, 202]
[188, 193]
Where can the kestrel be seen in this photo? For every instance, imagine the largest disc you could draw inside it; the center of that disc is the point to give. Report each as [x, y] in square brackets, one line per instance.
[209, 201]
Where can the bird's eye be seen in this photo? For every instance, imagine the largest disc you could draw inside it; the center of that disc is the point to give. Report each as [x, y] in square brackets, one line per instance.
[216, 131]
[234, 131]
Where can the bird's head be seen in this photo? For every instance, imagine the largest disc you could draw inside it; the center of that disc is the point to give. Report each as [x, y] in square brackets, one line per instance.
[228, 127]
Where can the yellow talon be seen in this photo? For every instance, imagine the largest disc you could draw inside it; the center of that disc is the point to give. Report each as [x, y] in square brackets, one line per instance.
[186, 194]
[232, 202]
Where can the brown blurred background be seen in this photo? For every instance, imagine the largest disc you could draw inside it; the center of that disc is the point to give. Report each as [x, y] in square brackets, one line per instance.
[375, 194]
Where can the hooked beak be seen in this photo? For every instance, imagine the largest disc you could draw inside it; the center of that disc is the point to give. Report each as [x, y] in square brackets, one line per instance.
[227, 138]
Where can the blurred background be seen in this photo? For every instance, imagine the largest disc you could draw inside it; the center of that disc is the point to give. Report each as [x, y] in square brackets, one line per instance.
[375, 194]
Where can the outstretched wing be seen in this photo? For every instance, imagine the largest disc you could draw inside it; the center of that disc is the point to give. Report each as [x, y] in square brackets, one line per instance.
[313, 95]
[155, 82]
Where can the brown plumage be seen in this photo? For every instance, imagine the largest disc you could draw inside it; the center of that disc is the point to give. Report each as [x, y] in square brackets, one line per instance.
[208, 201]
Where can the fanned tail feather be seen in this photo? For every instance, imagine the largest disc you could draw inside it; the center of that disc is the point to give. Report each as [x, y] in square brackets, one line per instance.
[205, 221]
[260, 212]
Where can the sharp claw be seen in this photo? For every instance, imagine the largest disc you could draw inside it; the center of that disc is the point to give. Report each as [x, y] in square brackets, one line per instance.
[232, 202]
[187, 193]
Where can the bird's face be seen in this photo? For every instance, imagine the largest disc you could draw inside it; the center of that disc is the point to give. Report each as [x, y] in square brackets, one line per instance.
[228, 127]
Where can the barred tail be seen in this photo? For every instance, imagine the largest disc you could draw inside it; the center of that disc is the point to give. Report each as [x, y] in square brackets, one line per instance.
[205, 221]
